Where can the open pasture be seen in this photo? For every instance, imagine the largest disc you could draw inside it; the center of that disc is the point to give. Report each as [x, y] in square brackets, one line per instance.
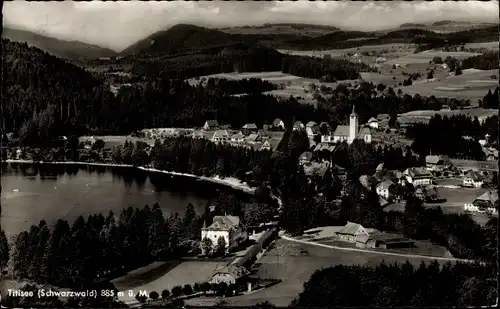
[487, 45]
[294, 263]
[428, 55]
[111, 141]
[472, 84]
[188, 272]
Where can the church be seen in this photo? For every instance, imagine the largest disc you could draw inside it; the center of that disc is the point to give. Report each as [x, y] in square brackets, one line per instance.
[351, 132]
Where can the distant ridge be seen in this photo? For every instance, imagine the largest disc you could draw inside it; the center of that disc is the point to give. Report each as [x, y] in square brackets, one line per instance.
[56, 47]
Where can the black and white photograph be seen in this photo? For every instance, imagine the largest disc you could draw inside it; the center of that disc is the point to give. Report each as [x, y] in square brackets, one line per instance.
[249, 154]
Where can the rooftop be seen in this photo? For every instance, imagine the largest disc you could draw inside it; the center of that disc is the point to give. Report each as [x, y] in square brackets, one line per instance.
[223, 223]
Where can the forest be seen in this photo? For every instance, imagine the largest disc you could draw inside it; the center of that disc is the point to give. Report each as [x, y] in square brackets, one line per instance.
[486, 61]
[445, 135]
[400, 285]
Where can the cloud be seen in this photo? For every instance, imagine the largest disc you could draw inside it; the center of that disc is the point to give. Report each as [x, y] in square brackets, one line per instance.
[119, 24]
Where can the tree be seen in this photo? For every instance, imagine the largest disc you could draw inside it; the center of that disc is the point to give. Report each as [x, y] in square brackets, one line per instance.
[221, 246]
[187, 289]
[437, 60]
[165, 294]
[206, 246]
[205, 287]
[154, 295]
[430, 75]
[140, 298]
[4, 251]
[177, 291]
[458, 71]
[98, 144]
[196, 287]
[257, 213]
[221, 288]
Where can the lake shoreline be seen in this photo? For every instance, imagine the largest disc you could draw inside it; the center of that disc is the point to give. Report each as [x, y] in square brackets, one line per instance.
[232, 182]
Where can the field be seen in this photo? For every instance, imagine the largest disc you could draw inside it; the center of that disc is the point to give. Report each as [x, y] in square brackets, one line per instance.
[472, 84]
[285, 261]
[188, 272]
[295, 86]
[425, 115]
[488, 45]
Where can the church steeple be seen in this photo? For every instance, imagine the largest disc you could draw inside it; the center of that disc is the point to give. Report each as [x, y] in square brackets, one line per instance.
[353, 110]
[353, 126]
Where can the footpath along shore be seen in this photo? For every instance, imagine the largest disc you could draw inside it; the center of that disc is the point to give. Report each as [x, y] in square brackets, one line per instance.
[228, 181]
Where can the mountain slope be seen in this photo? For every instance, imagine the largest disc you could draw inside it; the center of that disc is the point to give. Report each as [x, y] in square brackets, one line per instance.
[60, 48]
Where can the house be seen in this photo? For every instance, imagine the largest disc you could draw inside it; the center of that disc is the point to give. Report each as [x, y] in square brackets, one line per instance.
[278, 124]
[485, 203]
[418, 176]
[238, 138]
[220, 136]
[324, 147]
[389, 240]
[198, 135]
[312, 129]
[253, 138]
[352, 230]
[473, 179]
[352, 131]
[383, 188]
[265, 146]
[365, 241]
[329, 138]
[305, 157]
[316, 169]
[436, 163]
[210, 125]
[230, 274]
[373, 123]
[227, 227]
[250, 127]
[340, 172]
[382, 117]
[297, 126]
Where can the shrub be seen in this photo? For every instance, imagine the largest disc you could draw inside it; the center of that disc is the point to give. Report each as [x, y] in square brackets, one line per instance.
[196, 287]
[205, 287]
[177, 291]
[187, 289]
[154, 295]
[165, 293]
[140, 298]
[221, 288]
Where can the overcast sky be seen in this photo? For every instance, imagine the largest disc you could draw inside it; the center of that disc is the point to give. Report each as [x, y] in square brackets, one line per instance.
[119, 24]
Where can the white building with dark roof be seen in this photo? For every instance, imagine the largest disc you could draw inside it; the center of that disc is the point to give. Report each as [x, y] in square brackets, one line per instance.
[485, 203]
[352, 131]
[418, 176]
[227, 227]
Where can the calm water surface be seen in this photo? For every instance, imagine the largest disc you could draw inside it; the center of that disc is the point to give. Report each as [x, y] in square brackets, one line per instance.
[34, 192]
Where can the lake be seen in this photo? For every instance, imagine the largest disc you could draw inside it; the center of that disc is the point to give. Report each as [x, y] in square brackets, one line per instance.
[31, 192]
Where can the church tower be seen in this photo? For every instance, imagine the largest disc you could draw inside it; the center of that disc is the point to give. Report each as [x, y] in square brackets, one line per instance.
[353, 126]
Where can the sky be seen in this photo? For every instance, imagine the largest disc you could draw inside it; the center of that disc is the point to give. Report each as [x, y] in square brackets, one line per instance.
[116, 25]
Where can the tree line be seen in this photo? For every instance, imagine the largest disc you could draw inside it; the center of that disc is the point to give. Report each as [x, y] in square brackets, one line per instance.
[101, 247]
[400, 285]
[486, 61]
[451, 136]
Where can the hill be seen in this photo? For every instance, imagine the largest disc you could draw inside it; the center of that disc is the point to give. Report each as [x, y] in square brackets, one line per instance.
[56, 47]
[283, 29]
[45, 95]
[184, 38]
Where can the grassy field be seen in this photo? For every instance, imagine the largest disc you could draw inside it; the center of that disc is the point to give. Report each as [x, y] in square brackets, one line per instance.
[167, 277]
[488, 45]
[284, 261]
[472, 85]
